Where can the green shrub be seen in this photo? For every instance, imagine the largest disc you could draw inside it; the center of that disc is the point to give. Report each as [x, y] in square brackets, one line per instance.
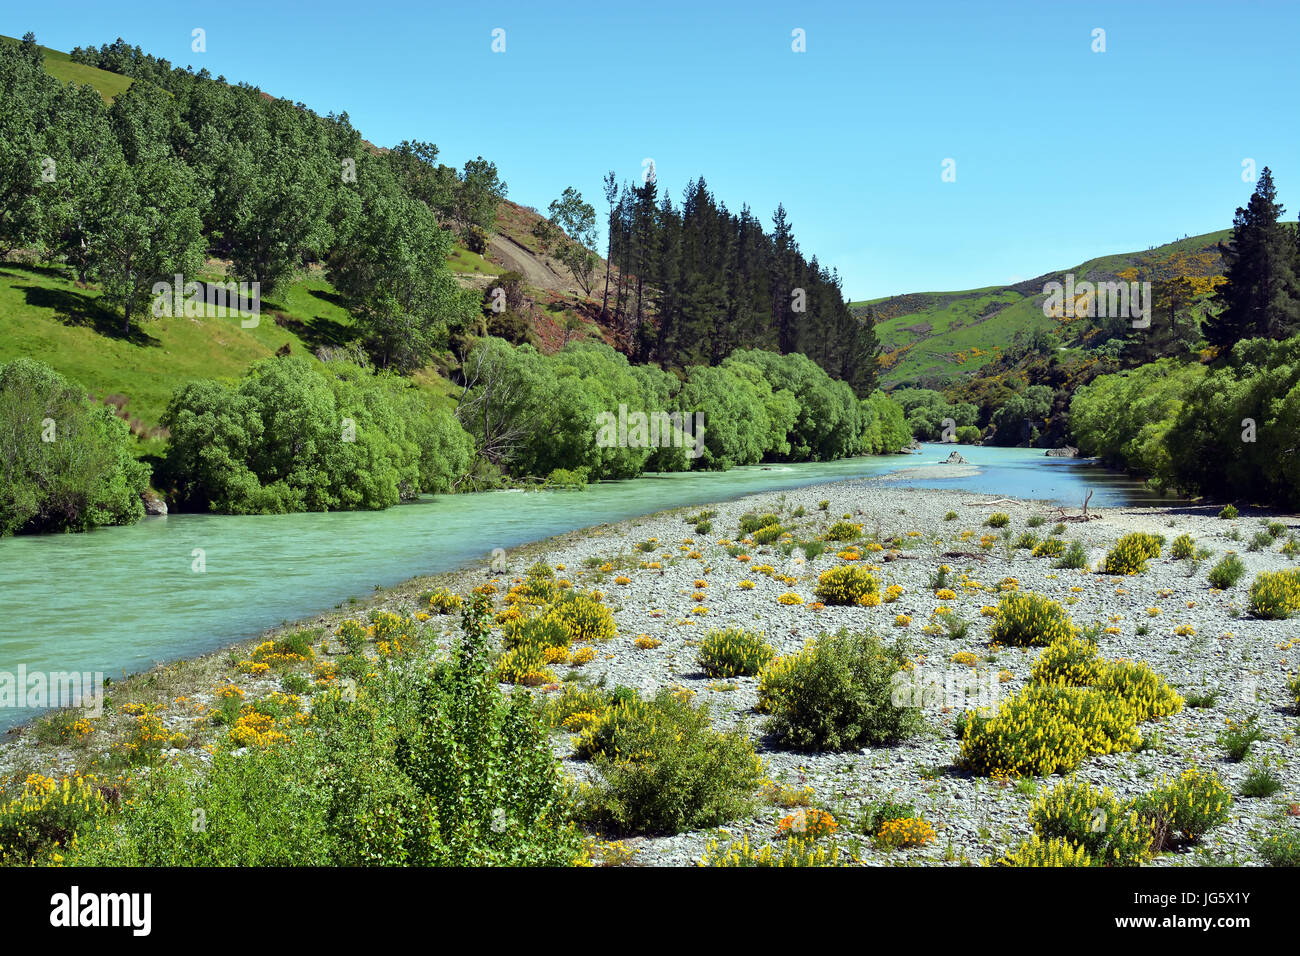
[1229, 513]
[664, 769]
[1183, 548]
[1074, 559]
[66, 464]
[1261, 781]
[845, 584]
[999, 519]
[835, 694]
[1227, 572]
[1238, 737]
[429, 766]
[1025, 618]
[703, 526]
[1281, 848]
[768, 533]
[734, 652]
[1036, 521]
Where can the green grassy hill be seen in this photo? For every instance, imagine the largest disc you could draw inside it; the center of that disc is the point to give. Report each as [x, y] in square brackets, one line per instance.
[61, 66]
[936, 338]
[46, 315]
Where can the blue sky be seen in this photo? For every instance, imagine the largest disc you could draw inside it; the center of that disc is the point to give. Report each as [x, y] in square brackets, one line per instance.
[1061, 153]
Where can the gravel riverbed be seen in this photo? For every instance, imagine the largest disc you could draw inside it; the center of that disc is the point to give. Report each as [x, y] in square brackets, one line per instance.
[1247, 661]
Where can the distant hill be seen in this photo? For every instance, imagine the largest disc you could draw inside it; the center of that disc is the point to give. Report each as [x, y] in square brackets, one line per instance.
[937, 338]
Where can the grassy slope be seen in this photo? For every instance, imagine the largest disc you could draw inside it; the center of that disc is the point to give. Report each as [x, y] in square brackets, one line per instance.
[941, 336]
[60, 66]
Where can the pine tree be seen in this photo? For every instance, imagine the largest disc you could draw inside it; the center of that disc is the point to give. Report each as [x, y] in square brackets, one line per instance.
[1261, 297]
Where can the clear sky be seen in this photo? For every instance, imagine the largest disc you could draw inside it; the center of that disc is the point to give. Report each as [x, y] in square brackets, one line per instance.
[1061, 153]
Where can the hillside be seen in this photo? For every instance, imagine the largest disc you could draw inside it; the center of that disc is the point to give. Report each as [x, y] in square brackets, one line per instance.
[47, 316]
[938, 338]
[61, 66]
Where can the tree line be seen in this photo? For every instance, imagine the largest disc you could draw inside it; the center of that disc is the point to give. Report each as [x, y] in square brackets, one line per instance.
[687, 284]
[1227, 425]
[183, 167]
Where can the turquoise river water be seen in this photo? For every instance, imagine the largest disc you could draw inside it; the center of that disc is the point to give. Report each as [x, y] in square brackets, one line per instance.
[118, 600]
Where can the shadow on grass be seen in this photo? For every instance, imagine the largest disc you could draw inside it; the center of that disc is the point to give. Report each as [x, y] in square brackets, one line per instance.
[76, 309]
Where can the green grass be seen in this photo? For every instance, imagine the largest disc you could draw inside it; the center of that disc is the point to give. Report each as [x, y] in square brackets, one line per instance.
[939, 337]
[462, 260]
[44, 315]
[61, 66]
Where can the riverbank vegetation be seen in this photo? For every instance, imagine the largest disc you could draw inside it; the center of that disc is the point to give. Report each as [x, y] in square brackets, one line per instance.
[406, 734]
[177, 173]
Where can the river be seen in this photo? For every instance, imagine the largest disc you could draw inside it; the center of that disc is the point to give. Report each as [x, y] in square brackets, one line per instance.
[118, 600]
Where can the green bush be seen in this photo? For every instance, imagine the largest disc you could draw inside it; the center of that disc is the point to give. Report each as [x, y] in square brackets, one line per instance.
[1229, 513]
[1281, 848]
[999, 519]
[1074, 559]
[835, 694]
[66, 464]
[428, 765]
[1227, 572]
[664, 769]
[734, 652]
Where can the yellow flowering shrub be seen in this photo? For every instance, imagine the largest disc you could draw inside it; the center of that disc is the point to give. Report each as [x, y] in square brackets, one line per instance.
[1192, 805]
[1112, 833]
[1046, 729]
[734, 652]
[1027, 619]
[792, 852]
[1132, 552]
[904, 832]
[1275, 595]
[445, 602]
[47, 816]
[846, 584]
[1038, 852]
